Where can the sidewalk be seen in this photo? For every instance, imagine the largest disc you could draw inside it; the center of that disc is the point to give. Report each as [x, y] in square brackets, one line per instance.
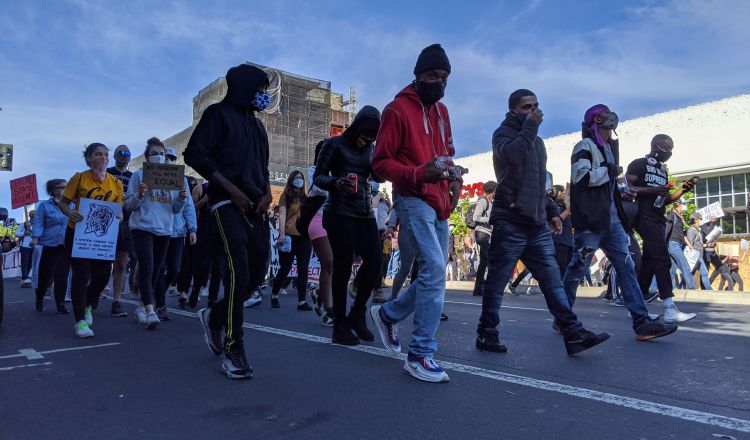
[695, 296]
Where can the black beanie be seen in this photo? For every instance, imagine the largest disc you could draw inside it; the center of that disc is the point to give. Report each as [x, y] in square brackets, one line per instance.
[516, 96]
[432, 57]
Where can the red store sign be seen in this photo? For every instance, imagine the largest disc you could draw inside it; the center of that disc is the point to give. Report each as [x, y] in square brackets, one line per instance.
[472, 190]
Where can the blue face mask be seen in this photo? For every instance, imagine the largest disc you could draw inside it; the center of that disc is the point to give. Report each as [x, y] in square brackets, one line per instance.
[261, 101]
[298, 183]
[375, 186]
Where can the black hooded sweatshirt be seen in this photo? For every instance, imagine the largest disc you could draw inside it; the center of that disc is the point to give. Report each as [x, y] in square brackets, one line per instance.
[231, 140]
[338, 157]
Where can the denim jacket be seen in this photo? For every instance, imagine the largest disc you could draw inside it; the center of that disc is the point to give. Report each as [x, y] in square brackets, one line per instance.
[49, 223]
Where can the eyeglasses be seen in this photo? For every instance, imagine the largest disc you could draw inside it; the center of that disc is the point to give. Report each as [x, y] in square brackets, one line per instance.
[123, 153]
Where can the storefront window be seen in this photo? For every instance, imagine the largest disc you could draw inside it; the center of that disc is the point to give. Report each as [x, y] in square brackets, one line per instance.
[740, 224]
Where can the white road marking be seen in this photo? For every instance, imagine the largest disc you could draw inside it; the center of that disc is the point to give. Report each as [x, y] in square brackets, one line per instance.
[584, 393]
[502, 307]
[25, 366]
[30, 353]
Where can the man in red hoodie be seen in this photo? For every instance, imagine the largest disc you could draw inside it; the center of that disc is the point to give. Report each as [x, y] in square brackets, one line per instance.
[414, 150]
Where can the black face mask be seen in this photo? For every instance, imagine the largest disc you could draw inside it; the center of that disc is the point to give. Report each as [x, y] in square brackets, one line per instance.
[430, 93]
[662, 156]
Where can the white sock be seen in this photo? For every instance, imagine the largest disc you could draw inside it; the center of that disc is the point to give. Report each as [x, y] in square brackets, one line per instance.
[669, 302]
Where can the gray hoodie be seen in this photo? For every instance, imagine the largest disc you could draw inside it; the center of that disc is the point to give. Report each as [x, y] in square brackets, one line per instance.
[154, 212]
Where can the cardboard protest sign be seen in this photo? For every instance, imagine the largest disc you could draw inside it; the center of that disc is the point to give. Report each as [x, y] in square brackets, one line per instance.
[23, 191]
[96, 236]
[711, 211]
[163, 176]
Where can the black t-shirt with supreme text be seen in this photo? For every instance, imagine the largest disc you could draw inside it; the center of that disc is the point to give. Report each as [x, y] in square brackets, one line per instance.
[649, 173]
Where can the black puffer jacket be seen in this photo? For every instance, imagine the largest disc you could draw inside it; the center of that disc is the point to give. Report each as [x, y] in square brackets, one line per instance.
[340, 156]
[520, 161]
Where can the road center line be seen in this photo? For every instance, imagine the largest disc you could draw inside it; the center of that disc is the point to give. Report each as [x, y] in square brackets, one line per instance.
[584, 393]
[31, 354]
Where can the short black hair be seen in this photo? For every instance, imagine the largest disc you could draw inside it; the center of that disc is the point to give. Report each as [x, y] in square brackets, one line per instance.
[489, 186]
[52, 184]
[516, 96]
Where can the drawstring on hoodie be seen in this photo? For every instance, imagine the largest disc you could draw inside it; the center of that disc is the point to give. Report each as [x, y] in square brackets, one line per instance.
[441, 125]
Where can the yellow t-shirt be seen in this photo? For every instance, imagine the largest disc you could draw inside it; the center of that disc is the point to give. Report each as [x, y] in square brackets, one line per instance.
[83, 186]
[292, 214]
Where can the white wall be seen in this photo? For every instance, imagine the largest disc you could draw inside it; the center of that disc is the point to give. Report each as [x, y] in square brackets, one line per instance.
[706, 136]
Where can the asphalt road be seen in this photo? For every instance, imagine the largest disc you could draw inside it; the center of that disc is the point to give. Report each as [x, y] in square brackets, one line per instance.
[130, 383]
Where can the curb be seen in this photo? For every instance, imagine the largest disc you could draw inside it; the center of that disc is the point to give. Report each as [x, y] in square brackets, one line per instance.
[690, 296]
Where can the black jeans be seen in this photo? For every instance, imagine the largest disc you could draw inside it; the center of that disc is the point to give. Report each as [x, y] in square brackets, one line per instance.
[169, 269]
[151, 250]
[27, 258]
[562, 255]
[244, 240]
[347, 236]
[185, 277]
[483, 241]
[655, 259]
[301, 248]
[203, 252]
[89, 279]
[54, 265]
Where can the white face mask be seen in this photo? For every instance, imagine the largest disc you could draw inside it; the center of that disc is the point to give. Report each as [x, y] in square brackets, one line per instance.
[157, 158]
[683, 208]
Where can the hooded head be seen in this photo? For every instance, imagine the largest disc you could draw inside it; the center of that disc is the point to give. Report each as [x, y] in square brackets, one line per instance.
[243, 82]
[366, 125]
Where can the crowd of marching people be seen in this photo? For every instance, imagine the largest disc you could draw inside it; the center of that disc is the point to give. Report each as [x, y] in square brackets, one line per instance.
[217, 235]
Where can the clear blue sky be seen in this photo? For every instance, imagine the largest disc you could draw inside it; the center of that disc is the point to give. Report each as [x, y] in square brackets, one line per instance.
[75, 72]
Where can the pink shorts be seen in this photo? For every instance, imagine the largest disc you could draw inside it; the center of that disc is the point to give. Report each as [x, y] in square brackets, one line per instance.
[316, 229]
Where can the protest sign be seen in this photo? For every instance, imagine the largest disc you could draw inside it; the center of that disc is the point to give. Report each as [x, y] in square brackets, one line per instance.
[23, 191]
[163, 176]
[12, 263]
[692, 255]
[743, 245]
[96, 236]
[711, 211]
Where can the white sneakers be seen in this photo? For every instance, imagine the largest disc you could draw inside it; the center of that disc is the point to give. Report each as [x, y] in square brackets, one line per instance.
[140, 315]
[673, 314]
[254, 300]
[83, 330]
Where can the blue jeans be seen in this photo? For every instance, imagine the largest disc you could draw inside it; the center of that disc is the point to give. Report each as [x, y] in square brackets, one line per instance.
[394, 263]
[532, 244]
[704, 273]
[678, 259]
[614, 243]
[427, 235]
[407, 252]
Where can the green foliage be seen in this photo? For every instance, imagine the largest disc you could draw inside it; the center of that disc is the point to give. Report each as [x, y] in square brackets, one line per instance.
[8, 231]
[456, 219]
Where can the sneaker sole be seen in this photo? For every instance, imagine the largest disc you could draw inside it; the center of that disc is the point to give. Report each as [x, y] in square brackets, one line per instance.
[85, 336]
[423, 377]
[382, 331]
[234, 376]
[576, 350]
[651, 337]
[345, 343]
[119, 315]
[153, 325]
[206, 339]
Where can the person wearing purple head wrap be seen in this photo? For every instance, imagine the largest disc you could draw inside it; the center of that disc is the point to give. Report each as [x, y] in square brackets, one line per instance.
[598, 217]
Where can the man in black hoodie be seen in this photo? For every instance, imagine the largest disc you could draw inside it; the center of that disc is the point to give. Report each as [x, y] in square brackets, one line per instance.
[520, 214]
[229, 147]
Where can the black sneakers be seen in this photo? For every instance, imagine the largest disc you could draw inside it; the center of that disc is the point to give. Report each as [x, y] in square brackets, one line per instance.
[117, 311]
[652, 329]
[583, 339]
[162, 313]
[61, 309]
[342, 333]
[359, 325]
[235, 365]
[304, 307]
[275, 302]
[210, 336]
[490, 343]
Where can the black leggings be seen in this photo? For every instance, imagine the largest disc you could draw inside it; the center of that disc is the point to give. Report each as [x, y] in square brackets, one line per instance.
[54, 265]
[169, 269]
[27, 259]
[347, 236]
[151, 250]
[563, 254]
[301, 248]
[90, 277]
